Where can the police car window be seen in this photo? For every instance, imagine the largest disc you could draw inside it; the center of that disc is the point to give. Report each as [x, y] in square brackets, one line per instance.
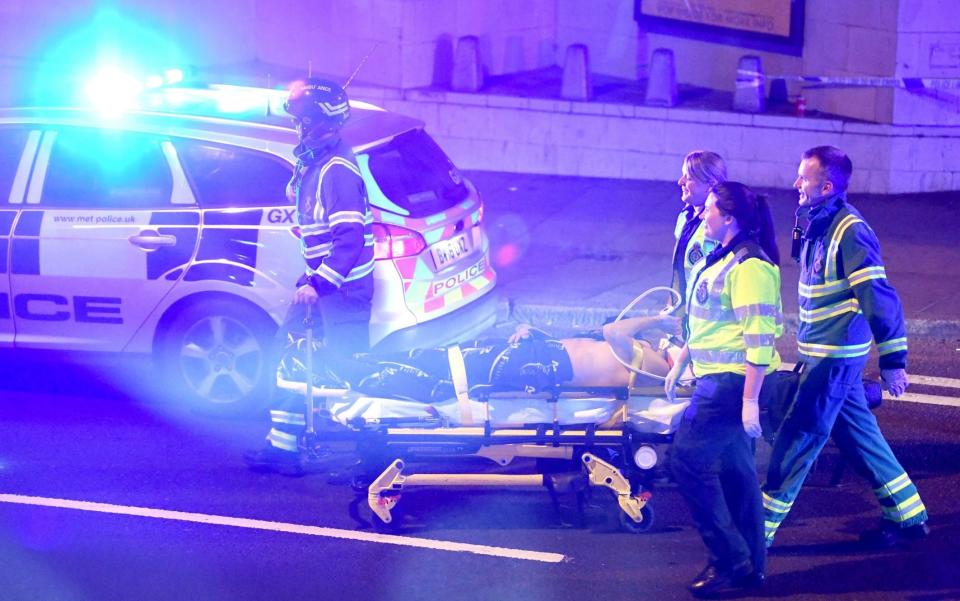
[227, 176]
[11, 147]
[99, 168]
[415, 174]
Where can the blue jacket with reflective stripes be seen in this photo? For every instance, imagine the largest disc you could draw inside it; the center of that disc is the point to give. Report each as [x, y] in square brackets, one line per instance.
[336, 225]
[845, 298]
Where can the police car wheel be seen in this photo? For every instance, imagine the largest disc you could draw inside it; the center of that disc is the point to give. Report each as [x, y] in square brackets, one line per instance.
[218, 354]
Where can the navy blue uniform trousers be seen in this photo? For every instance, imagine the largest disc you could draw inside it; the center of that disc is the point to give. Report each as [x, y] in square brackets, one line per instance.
[713, 463]
[830, 399]
[342, 321]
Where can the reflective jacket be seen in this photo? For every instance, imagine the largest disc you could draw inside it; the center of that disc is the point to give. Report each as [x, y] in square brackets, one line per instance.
[734, 312]
[845, 299]
[691, 247]
[336, 225]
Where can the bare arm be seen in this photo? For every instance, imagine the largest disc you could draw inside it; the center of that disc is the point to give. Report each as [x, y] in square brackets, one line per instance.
[670, 382]
[619, 335]
[754, 380]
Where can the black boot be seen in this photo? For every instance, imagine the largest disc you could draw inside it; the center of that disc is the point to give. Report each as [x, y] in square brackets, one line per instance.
[889, 534]
[272, 459]
[713, 582]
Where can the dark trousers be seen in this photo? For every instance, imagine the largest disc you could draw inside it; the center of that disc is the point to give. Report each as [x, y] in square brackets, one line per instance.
[342, 321]
[830, 399]
[713, 463]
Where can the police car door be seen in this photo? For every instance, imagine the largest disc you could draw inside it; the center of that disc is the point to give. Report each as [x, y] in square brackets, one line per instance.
[105, 227]
[17, 148]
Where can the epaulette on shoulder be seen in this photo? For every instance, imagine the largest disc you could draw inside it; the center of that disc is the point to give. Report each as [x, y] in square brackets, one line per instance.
[753, 252]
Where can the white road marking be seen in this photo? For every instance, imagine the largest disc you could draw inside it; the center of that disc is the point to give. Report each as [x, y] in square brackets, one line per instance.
[912, 397]
[202, 518]
[935, 381]
[929, 399]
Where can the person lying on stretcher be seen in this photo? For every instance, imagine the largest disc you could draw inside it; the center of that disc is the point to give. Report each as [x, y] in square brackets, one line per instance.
[528, 360]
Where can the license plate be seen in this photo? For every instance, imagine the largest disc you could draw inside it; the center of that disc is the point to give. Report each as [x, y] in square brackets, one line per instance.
[446, 252]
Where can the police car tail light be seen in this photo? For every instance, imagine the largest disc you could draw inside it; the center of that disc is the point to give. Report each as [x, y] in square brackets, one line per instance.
[392, 241]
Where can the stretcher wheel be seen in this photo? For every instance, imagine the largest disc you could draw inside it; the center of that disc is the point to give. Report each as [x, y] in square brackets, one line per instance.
[627, 523]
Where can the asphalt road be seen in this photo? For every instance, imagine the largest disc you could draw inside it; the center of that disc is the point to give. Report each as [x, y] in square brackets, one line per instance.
[72, 434]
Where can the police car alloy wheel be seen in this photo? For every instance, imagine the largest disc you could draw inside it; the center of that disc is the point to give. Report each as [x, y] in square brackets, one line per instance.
[218, 354]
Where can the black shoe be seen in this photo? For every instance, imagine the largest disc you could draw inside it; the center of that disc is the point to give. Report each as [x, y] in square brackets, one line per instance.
[272, 459]
[712, 582]
[889, 534]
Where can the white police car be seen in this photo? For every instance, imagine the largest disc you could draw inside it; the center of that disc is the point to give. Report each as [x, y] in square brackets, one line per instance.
[167, 231]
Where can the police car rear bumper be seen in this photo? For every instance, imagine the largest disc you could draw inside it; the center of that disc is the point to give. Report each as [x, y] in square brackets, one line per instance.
[466, 323]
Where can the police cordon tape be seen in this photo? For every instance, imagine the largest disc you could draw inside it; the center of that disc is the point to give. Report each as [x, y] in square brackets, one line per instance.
[752, 79]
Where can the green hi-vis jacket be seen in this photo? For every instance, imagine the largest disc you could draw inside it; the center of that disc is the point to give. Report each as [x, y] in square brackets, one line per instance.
[845, 299]
[734, 312]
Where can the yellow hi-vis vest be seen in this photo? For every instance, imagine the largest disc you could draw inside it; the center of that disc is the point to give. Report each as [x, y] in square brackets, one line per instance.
[735, 314]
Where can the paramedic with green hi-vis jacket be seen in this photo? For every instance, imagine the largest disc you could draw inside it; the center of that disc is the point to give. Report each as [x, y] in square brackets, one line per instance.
[734, 317]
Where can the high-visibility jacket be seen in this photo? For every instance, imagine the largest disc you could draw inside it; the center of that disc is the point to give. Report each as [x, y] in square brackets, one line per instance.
[336, 224]
[691, 247]
[734, 312]
[845, 298]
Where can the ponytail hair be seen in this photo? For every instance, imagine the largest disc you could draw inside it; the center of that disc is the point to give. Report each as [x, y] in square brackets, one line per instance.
[752, 212]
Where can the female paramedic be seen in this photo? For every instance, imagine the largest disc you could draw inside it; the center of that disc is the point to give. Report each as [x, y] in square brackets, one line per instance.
[734, 317]
[701, 170]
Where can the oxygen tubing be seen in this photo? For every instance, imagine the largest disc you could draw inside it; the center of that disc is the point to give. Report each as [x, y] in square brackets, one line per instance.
[667, 311]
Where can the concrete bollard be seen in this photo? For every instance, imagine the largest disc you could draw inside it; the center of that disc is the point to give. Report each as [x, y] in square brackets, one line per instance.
[577, 84]
[662, 81]
[467, 70]
[748, 96]
[778, 91]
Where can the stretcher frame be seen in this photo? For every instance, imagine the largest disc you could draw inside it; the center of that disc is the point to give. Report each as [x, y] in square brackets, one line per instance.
[397, 442]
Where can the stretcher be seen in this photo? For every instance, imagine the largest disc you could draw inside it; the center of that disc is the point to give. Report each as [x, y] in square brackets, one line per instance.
[604, 437]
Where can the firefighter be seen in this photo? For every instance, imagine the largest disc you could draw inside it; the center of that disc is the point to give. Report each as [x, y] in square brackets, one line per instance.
[701, 170]
[734, 316]
[845, 302]
[336, 242]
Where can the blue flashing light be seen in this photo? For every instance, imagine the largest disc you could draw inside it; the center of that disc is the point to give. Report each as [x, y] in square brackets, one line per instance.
[153, 81]
[113, 91]
[172, 77]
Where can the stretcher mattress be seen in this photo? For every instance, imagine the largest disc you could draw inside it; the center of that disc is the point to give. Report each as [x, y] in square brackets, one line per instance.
[645, 412]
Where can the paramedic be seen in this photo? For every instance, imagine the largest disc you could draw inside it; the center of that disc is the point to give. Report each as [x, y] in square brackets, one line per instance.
[845, 301]
[336, 243]
[734, 316]
[701, 170]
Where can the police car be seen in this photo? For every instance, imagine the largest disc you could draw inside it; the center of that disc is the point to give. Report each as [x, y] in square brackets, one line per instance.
[166, 230]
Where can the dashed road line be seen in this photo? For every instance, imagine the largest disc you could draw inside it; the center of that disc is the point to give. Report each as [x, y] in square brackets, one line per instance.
[935, 381]
[927, 399]
[915, 397]
[202, 518]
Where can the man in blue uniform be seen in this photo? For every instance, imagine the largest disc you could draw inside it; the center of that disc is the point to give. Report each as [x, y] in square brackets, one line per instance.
[336, 242]
[845, 303]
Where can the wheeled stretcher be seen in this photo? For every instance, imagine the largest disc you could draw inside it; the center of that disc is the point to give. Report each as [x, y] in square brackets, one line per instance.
[609, 436]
